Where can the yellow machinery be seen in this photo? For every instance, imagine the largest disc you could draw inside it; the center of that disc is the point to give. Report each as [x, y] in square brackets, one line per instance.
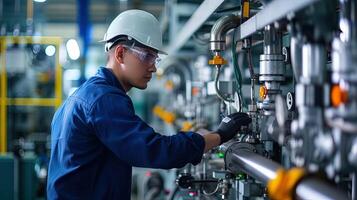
[30, 77]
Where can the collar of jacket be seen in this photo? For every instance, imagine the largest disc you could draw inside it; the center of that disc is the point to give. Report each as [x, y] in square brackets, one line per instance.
[109, 76]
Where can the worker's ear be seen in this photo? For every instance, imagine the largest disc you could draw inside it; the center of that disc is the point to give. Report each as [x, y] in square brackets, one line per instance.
[119, 54]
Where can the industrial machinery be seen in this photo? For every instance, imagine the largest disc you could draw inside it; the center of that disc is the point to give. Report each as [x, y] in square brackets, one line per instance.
[31, 90]
[292, 66]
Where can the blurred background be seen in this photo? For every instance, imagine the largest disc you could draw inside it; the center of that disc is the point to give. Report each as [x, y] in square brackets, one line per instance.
[289, 64]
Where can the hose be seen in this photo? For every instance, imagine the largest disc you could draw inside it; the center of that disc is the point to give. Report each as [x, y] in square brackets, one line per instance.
[237, 73]
[219, 94]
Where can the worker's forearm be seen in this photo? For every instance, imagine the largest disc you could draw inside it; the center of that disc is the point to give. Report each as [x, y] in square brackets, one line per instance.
[211, 140]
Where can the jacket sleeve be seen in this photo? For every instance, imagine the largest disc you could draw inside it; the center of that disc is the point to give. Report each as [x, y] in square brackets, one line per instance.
[135, 142]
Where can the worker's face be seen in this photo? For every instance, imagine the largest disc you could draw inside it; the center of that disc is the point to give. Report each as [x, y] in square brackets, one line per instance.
[138, 64]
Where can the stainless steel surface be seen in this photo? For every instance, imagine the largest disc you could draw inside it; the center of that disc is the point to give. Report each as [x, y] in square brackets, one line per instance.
[253, 164]
[272, 41]
[347, 22]
[274, 11]
[264, 170]
[352, 156]
[281, 111]
[344, 59]
[219, 30]
[296, 57]
[312, 188]
[271, 65]
[313, 63]
[271, 68]
[198, 18]
[306, 95]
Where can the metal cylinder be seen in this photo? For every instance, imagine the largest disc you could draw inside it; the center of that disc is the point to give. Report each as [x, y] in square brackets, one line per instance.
[313, 63]
[347, 22]
[256, 166]
[271, 68]
[240, 157]
[219, 30]
[272, 41]
[313, 188]
[296, 57]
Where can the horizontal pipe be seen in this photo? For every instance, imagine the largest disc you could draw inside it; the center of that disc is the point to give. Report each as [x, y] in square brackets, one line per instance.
[313, 188]
[264, 170]
[255, 165]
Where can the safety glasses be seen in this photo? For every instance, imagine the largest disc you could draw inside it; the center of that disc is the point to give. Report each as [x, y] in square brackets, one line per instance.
[144, 55]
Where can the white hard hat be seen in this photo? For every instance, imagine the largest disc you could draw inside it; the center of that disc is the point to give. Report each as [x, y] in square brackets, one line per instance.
[139, 25]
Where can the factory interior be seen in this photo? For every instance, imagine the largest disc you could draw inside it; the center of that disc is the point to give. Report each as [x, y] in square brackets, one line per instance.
[290, 65]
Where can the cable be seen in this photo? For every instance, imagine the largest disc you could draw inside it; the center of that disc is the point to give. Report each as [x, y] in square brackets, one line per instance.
[174, 193]
[237, 73]
[219, 94]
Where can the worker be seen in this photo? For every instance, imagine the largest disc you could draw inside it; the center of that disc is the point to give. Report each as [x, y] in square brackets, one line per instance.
[96, 137]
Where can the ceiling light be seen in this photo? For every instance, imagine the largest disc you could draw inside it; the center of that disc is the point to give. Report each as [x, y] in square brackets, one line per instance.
[73, 49]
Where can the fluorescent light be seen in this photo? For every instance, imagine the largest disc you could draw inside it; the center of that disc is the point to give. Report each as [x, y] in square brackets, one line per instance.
[39, 1]
[73, 49]
[50, 50]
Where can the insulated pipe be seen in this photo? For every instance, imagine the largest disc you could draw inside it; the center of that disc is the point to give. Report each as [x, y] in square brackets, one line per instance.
[243, 158]
[219, 30]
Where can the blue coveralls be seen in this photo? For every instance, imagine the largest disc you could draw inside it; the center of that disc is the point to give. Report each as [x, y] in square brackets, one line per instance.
[97, 138]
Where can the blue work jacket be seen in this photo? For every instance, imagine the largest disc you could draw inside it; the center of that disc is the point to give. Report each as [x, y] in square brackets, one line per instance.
[96, 138]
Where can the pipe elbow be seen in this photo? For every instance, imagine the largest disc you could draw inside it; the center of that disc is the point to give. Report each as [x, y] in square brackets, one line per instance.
[220, 29]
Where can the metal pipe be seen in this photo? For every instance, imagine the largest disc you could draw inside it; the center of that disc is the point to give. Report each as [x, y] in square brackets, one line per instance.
[219, 30]
[296, 56]
[255, 165]
[272, 40]
[313, 188]
[262, 169]
[347, 22]
[313, 63]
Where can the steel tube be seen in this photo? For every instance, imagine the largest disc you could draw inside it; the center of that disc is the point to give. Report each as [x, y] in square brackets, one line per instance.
[313, 188]
[219, 30]
[255, 165]
[264, 170]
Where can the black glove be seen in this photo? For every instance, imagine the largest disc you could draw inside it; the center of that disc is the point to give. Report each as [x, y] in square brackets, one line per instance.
[231, 124]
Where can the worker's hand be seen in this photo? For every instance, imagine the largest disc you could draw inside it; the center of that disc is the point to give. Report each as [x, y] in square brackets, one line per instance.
[231, 124]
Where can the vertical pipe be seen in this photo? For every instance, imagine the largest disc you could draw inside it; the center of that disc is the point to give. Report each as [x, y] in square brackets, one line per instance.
[313, 63]
[272, 40]
[296, 56]
[265, 170]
